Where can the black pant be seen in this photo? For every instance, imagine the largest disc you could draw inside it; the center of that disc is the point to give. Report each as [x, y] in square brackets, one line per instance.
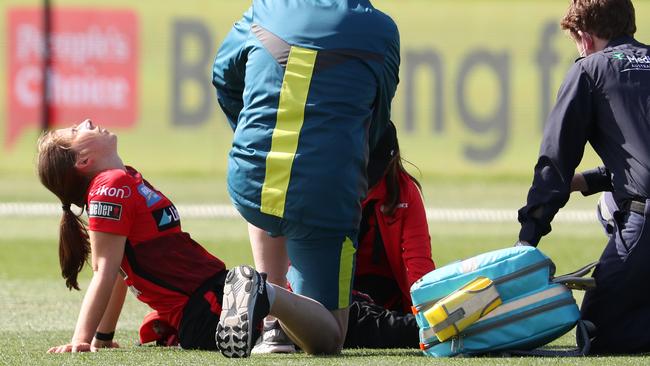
[372, 326]
[201, 315]
[619, 306]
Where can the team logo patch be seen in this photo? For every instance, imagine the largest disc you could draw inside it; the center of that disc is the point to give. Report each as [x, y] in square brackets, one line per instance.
[149, 195]
[166, 218]
[635, 63]
[105, 210]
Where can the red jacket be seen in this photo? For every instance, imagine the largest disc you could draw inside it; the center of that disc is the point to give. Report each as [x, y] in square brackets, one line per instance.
[405, 235]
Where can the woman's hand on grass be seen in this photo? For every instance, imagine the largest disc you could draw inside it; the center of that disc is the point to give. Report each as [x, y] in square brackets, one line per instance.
[73, 347]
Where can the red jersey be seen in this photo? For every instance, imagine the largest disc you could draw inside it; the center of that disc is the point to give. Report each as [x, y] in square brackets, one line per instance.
[162, 265]
[405, 252]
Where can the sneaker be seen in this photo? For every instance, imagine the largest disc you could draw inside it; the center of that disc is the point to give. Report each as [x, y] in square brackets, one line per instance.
[274, 340]
[245, 304]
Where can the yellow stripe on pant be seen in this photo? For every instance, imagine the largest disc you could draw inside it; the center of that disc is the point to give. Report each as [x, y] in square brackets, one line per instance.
[290, 118]
[345, 272]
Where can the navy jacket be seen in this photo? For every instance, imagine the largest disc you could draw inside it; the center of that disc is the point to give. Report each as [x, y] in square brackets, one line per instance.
[604, 100]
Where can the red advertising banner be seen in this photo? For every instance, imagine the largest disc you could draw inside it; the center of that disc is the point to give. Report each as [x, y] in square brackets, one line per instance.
[94, 67]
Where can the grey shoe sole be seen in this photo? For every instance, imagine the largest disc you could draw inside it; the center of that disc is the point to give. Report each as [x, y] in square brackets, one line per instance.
[234, 334]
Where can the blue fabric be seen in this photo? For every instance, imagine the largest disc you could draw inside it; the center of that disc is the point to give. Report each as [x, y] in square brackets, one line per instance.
[495, 264]
[314, 253]
[347, 108]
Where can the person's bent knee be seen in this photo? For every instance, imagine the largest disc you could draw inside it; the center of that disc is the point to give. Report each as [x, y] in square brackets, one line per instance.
[331, 347]
[333, 336]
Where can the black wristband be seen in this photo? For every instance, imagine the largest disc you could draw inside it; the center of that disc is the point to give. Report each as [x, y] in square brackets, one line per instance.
[598, 180]
[104, 336]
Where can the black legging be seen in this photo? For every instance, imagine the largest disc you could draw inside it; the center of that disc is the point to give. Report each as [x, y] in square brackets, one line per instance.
[372, 326]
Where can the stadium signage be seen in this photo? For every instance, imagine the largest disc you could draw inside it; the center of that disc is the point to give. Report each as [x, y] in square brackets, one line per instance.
[94, 67]
[488, 133]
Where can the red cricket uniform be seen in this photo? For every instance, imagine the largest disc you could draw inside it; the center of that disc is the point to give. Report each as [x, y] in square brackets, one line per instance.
[401, 254]
[162, 265]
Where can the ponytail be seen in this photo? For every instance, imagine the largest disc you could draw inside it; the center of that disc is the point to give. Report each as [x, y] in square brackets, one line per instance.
[57, 172]
[74, 247]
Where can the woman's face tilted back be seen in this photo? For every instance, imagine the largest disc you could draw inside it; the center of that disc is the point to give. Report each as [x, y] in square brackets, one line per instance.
[89, 141]
[69, 157]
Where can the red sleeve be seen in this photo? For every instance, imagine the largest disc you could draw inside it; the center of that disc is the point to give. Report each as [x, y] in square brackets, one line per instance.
[111, 203]
[416, 242]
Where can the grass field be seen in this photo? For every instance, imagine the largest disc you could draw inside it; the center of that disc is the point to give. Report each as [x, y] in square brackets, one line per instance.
[38, 312]
[188, 162]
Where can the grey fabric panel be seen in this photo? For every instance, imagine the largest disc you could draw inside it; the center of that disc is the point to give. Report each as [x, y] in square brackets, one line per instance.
[276, 46]
[280, 49]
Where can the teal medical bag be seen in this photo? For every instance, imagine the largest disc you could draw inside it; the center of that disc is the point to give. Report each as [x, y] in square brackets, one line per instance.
[536, 308]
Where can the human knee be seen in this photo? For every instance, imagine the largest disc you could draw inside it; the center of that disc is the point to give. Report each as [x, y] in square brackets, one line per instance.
[331, 345]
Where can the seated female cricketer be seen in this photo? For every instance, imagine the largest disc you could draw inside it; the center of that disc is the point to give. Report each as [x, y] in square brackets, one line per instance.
[394, 251]
[135, 240]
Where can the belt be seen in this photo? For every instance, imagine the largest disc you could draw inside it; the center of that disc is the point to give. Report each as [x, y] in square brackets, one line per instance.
[633, 206]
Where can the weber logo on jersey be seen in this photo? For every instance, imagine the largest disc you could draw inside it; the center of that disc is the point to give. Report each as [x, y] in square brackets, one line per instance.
[166, 218]
[105, 210]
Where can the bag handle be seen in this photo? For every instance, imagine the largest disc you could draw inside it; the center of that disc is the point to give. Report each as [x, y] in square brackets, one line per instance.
[576, 280]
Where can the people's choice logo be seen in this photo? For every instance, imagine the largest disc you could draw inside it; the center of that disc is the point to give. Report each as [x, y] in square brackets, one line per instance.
[94, 58]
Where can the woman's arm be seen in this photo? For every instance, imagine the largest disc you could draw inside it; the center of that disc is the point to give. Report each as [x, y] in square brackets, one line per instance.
[107, 252]
[109, 321]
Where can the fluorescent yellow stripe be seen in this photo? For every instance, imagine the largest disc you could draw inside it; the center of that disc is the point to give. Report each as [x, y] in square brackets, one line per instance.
[345, 272]
[290, 117]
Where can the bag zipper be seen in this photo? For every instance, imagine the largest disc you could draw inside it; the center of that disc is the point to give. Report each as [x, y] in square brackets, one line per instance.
[505, 278]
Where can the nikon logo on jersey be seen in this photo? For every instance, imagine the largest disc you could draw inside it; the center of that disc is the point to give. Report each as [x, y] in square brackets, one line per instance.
[166, 218]
[105, 210]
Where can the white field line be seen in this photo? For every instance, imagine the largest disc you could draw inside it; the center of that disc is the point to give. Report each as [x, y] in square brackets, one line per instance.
[206, 211]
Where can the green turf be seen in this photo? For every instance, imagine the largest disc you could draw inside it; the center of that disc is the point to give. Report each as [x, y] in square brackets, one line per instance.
[38, 312]
[189, 162]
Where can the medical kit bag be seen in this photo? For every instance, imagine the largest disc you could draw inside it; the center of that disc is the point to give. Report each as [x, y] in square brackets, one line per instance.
[526, 309]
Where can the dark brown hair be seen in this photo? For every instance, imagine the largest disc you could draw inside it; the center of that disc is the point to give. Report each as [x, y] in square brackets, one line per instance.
[606, 19]
[392, 177]
[57, 172]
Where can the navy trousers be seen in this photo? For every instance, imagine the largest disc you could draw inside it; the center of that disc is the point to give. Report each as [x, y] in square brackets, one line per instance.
[619, 306]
